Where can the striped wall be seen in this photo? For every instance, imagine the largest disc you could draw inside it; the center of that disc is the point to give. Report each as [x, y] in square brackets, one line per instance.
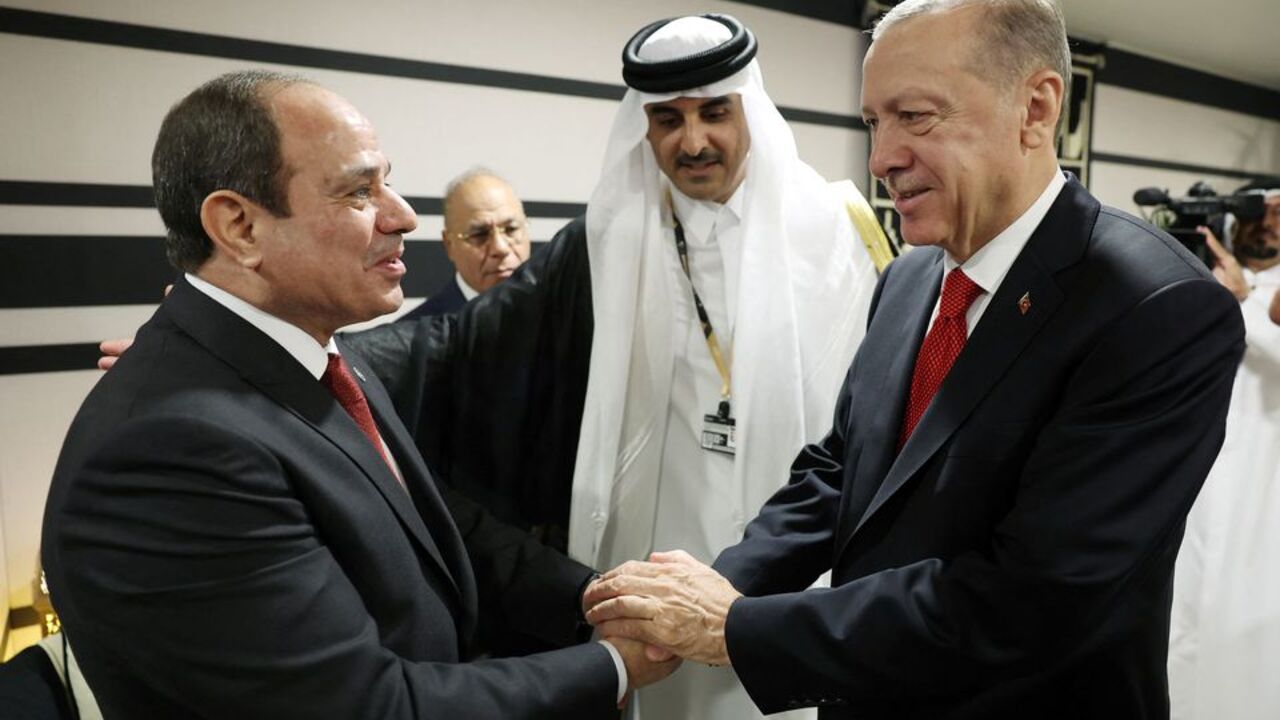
[1158, 124]
[527, 88]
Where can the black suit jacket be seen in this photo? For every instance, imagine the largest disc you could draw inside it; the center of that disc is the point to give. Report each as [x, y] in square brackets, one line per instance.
[1015, 559]
[222, 541]
[448, 299]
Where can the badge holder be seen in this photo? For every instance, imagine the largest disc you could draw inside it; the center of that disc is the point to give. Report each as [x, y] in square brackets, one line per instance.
[719, 433]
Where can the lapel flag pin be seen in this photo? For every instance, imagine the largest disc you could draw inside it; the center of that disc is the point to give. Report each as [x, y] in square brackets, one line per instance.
[1024, 302]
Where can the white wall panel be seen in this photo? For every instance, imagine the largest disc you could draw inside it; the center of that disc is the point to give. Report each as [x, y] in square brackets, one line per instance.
[59, 326]
[549, 145]
[35, 412]
[836, 153]
[1137, 124]
[41, 220]
[579, 39]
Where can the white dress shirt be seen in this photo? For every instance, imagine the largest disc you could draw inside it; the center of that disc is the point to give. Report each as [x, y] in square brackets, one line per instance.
[991, 263]
[696, 493]
[469, 293]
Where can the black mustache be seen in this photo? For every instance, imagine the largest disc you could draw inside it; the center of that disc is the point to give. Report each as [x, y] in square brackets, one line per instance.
[703, 157]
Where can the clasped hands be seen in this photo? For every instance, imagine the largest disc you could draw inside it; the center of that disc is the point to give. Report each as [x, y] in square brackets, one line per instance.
[673, 604]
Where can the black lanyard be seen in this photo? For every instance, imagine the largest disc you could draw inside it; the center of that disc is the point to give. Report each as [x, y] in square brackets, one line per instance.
[682, 249]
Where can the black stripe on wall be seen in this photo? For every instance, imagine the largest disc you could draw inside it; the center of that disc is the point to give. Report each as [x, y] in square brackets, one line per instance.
[1166, 165]
[144, 37]
[841, 12]
[1122, 68]
[1137, 72]
[48, 358]
[28, 192]
[132, 270]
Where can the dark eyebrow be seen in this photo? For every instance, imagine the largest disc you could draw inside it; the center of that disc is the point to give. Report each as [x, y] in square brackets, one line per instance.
[716, 102]
[365, 172]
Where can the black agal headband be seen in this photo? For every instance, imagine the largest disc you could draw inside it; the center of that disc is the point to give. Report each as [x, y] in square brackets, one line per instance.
[697, 70]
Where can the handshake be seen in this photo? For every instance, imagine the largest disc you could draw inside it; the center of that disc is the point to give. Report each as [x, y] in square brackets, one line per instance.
[661, 612]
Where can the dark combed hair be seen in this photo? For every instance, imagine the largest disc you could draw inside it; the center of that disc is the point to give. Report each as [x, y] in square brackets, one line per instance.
[220, 137]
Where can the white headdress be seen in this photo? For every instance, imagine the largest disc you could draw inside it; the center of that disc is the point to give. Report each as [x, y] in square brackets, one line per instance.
[801, 305]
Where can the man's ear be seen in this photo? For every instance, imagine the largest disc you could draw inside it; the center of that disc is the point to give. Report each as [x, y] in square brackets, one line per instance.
[450, 245]
[1043, 106]
[230, 220]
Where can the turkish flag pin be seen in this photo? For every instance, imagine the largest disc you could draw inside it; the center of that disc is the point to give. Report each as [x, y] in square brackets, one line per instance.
[1024, 303]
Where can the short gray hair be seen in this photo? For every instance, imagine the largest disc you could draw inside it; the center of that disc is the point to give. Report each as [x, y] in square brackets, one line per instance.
[1017, 37]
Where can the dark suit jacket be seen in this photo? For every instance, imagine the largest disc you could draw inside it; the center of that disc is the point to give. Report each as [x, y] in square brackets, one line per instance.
[1015, 560]
[448, 299]
[222, 541]
[493, 395]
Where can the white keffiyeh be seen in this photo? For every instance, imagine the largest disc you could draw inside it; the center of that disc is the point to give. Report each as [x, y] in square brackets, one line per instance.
[804, 284]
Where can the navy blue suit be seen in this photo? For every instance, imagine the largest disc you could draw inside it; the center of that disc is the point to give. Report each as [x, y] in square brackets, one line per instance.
[448, 299]
[1016, 558]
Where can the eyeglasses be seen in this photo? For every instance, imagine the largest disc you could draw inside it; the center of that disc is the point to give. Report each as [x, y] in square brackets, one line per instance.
[513, 231]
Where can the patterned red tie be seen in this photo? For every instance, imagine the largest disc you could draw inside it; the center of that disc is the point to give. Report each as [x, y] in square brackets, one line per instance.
[337, 378]
[940, 348]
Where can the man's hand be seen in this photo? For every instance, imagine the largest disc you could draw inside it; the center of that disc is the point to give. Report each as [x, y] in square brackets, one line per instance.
[673, 602]
[1225, 266]
[111, 351]
[641, 670]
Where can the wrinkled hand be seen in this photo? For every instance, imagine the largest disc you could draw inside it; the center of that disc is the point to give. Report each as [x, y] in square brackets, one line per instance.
[641, 670]
[673, 602]
[1225, 266]
[111, 351]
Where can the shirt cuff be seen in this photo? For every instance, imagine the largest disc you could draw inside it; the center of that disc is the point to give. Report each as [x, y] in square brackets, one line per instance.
[619, 666]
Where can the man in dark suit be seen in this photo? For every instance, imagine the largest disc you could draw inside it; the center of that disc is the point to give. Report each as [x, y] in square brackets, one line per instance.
[1013, 455]
[238, 526]
[486, 236]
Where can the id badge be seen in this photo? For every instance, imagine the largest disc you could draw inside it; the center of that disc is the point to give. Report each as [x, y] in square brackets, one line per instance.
[719, 434]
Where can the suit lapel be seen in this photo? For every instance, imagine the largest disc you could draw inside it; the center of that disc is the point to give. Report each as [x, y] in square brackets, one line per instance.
[267, 366]
[1002, 333]
[418, 480]
[895, 336]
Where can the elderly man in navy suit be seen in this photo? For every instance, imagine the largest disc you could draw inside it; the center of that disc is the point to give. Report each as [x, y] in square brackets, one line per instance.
[1040, 394]
[486, 236]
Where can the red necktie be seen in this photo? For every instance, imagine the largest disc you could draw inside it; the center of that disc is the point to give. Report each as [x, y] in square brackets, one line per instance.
[337, 378]
[940, 348]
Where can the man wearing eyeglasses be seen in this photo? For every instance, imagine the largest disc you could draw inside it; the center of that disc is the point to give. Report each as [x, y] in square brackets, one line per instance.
[486, 237]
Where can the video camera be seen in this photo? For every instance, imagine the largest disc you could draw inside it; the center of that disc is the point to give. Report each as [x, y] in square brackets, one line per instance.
[1181, 216]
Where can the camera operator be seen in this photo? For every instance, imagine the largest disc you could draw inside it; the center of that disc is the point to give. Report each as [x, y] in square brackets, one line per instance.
[1224, 645]
[1256, 247]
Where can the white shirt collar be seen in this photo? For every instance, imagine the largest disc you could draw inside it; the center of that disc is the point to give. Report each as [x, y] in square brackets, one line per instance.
[304, 348]
[468, 293]
[701, 218]
[991, 263]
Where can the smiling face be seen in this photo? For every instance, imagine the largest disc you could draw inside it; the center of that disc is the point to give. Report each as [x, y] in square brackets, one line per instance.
[701, 144]
[945, 142]
[335, 260]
